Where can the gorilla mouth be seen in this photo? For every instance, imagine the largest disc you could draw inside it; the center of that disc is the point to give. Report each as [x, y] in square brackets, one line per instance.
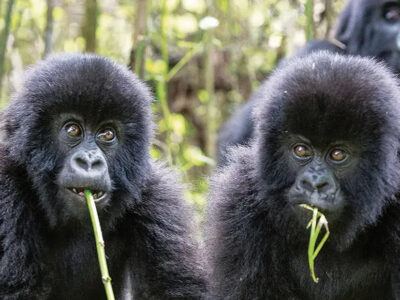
[97, 195]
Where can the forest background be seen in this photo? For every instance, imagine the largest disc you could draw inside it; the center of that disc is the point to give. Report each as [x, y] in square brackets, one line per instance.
[201, 58]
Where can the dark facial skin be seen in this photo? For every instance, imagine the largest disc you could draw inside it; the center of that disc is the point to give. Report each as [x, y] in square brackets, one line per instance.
[86, 147]
[318, 170]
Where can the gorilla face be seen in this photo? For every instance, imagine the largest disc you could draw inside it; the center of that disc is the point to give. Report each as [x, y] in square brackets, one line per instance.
[329, 139]
[85, 147]
[372, 28]
[382, 34]
[88, 130]
[318, 171]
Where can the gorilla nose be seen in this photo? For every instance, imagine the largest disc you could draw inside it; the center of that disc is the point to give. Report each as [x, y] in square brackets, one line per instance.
[317, 183]
[88, 162]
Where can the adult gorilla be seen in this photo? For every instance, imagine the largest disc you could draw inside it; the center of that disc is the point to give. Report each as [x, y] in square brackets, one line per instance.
[82, 122]
[365, 27]
[327, 135]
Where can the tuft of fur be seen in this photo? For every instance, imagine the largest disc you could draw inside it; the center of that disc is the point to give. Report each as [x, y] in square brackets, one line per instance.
[46, 253]
[257, 249]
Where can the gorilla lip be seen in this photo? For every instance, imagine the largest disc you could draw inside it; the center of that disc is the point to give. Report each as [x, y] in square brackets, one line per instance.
[97, 194]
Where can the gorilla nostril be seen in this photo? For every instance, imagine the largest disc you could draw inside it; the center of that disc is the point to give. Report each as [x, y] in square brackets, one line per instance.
[321, 185]
[307, 185]
[82, 163]
[97, 164]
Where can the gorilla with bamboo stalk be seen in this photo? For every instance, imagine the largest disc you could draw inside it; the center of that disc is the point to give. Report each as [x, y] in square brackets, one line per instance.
[83, 122]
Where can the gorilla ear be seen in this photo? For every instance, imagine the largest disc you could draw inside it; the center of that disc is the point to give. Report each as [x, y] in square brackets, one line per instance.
[351, 24]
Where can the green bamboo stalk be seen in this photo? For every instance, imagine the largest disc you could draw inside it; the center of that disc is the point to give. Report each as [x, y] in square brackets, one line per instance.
[311, 245]
[140, 58]
[309, 19]
[192, 52]
[209, 87]
[162, 87]
[140, 37]
[322, 222]
[3, 40]
[99, 245]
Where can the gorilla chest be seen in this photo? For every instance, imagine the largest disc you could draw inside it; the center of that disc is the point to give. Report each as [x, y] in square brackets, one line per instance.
[73, 263]
[342, 276]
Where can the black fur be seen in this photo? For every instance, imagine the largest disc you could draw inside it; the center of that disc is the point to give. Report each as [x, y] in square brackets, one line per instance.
[46, 251]
[364, 31]
[361, 30]
[256, 244]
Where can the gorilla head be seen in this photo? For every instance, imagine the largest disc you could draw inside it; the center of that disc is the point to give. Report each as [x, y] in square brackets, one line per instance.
[328, 137]
[75, 132]
[372, 28]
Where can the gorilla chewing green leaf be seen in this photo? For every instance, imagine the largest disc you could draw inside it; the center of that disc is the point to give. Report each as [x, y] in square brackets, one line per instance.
[314, 232]
[101, 254]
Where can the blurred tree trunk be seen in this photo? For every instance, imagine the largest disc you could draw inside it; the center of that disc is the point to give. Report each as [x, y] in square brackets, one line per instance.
[4, 39]
[89, 25]
[138, 52]
[48, 32]
[329, 17]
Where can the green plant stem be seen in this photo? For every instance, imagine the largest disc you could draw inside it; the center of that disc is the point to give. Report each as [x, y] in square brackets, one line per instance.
[3, 40]
[99, 245]
[311, 245]
[310, 20]
[314, 233]
[139, 59]
[192, 52]
[162, 87]
[322, 222]
[161, 91]
[211, 126]
[140, 37]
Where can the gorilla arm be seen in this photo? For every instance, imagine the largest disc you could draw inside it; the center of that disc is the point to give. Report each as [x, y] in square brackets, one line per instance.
[165, 252]
[20, 264]
[232, 225]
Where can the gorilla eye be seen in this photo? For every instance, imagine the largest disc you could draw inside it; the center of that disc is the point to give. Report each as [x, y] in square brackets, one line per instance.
[392, 14]
[73, 130]
[302, 151]
[338, 155]
[106, 135]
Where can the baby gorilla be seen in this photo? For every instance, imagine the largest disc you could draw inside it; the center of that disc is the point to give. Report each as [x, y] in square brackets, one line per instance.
[328, 136]
[82, 122]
